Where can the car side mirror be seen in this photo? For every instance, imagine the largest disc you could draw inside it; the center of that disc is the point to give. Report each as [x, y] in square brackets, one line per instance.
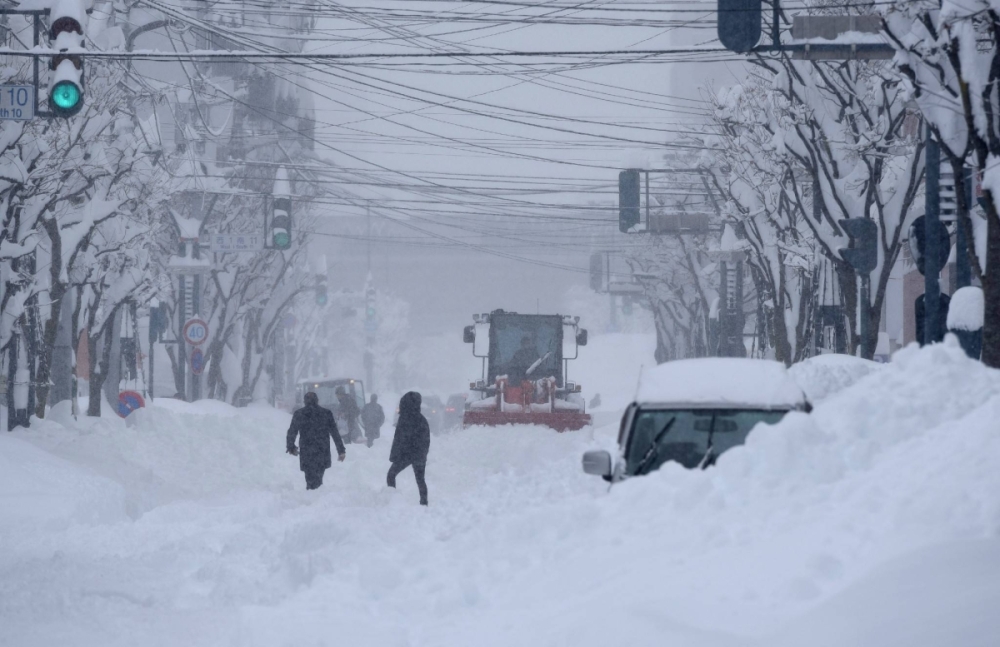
[469, 335]
[581, 337]
[597, 462]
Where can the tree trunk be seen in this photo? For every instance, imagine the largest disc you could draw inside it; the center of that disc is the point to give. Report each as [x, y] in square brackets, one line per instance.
[99, 370]
[847, 278]
[43, 377]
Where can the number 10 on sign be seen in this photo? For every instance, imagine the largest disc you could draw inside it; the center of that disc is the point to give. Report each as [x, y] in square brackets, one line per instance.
[17, 102]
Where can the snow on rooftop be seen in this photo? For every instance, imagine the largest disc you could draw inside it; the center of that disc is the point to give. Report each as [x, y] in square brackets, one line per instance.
[721, 380]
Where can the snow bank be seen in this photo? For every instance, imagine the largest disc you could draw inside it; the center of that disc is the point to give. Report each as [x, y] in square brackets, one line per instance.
[40, 491]
[874, 520]
[824, 375]
[173, 450]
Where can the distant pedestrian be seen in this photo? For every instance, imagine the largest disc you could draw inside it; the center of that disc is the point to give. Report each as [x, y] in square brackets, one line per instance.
[314, 426]
[411, 443]
[350, 411]
[372, 419]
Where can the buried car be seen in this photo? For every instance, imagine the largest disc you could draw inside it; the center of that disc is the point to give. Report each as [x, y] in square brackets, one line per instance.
[692, 411]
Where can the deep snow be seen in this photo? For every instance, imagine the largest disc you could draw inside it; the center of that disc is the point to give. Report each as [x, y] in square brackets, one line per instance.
[874, 520]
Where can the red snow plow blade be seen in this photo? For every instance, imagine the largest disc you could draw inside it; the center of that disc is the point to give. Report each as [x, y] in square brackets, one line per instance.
[558, 420]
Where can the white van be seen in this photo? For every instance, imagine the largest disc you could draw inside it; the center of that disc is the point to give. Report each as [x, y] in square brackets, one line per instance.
[692, 411]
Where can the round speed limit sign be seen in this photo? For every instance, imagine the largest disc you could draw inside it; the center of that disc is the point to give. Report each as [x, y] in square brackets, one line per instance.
[195, 332]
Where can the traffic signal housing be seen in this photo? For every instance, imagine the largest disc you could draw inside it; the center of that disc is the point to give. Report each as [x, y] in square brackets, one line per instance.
[597, 272]
[629, 197]
[322, 297]
[739, 24]
[862, 255]
[281, 211]
[66, 36]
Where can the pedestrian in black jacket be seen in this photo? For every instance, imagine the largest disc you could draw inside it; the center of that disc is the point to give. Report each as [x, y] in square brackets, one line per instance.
[372, 418]
[315, 427]
[411, 443]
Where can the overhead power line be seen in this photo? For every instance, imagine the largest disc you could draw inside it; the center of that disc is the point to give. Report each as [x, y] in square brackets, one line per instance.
[226, 55]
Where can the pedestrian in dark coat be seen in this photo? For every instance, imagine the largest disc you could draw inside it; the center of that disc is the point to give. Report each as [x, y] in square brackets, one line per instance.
[411, 443]
[314, 426]
[372, 419]
[350, 411]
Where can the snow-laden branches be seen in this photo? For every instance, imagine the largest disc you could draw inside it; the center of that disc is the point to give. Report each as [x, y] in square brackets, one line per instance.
[948, 54]
[808, 144]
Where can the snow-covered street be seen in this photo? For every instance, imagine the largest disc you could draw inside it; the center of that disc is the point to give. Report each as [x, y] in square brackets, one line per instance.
[871, 521]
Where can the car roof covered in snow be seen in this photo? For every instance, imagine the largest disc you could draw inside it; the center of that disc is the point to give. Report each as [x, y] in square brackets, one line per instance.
[726, 381]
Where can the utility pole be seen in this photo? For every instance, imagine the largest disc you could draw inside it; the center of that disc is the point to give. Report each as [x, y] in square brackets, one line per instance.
[368, 213]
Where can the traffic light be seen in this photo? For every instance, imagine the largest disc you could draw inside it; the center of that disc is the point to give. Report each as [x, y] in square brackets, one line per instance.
[281, 223]
[321, 293]
[596, 272]
[629, 197]
[66, 35]
[739, 24]
[862, 255]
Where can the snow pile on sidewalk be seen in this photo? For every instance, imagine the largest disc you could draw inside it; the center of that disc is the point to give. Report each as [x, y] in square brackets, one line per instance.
[875, 520]
[38, 490]
[825, 375]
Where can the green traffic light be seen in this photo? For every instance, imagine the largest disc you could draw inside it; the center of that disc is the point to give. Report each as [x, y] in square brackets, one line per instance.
[66, 95]
[282, 240]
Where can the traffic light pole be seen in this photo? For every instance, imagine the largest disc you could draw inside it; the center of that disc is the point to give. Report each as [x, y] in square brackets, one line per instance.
[932, 284]
[865, 315]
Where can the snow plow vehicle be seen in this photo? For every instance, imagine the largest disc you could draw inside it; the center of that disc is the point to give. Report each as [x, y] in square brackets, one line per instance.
[525, 370]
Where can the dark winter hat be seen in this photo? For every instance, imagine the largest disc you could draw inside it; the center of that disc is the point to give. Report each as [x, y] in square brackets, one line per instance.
[310, 398]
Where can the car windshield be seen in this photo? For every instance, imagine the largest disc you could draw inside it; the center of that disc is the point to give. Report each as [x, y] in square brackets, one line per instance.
[525, 347]
[686, 435]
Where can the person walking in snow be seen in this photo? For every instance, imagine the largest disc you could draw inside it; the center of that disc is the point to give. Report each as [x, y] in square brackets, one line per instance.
[350, 411]
[372, 419]
[410, 444]
[314, 426]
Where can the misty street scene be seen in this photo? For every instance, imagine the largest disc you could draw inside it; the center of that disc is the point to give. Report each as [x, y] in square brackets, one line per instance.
[500, 323]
